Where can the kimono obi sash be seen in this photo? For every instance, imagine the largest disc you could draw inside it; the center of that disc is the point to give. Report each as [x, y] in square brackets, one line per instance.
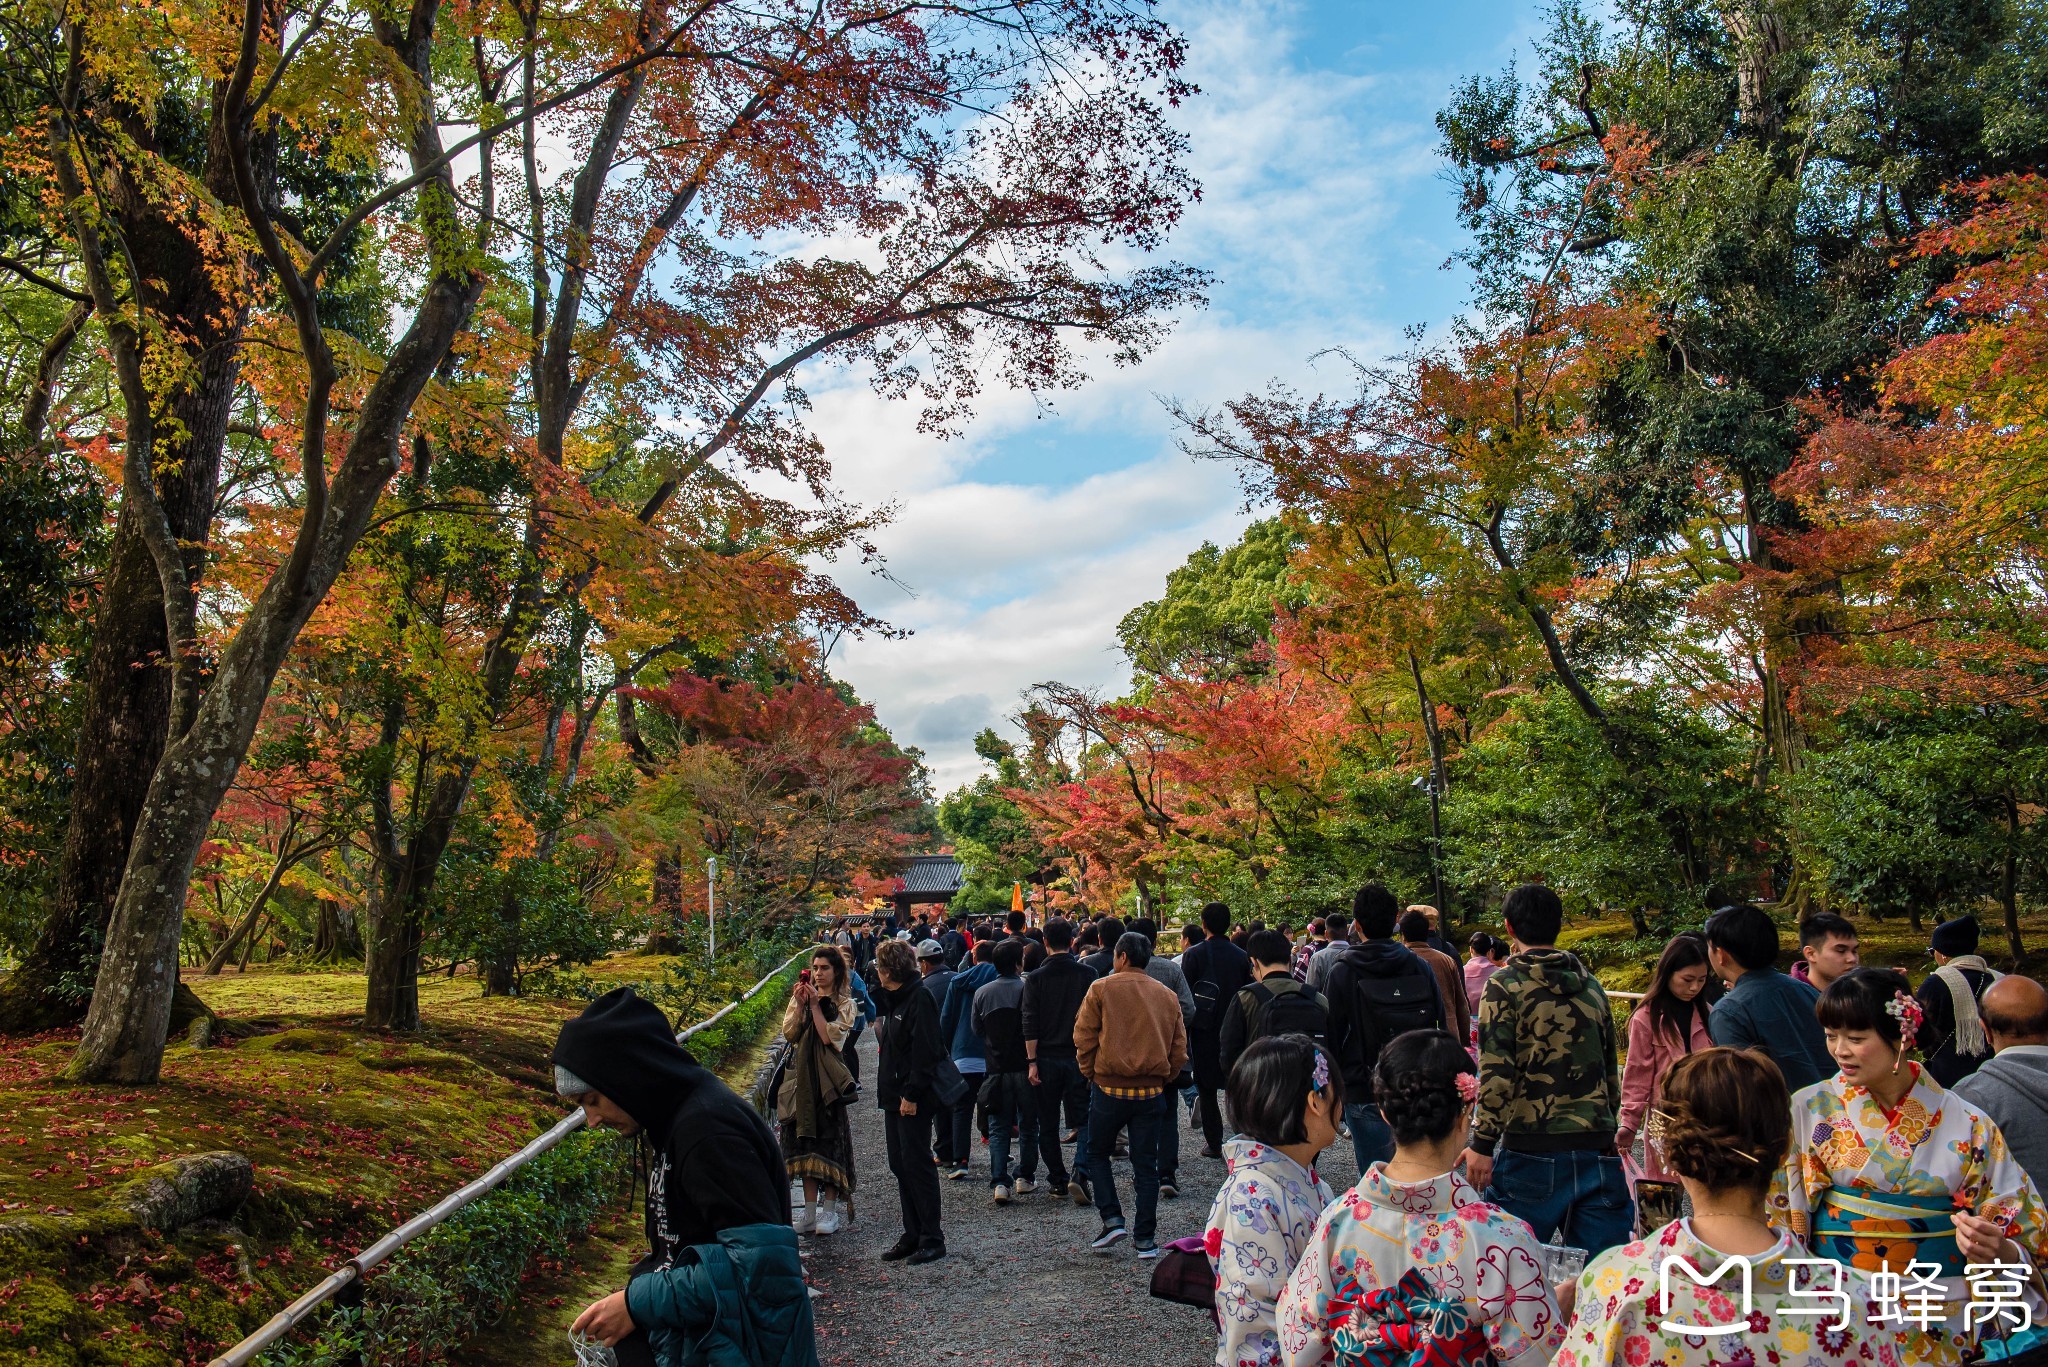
[1873, 1230]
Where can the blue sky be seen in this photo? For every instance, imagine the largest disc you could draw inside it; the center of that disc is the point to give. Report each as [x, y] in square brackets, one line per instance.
[1326, 219]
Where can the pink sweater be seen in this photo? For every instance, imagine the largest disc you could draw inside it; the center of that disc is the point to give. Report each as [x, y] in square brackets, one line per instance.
[1650, 1055]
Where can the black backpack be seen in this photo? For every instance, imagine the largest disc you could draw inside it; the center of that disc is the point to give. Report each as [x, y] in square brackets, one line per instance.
[1385, 1007]
[1300, 1012]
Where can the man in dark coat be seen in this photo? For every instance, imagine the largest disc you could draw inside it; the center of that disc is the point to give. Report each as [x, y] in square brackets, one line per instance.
[1217, 971]
[1952, 1039]
[715, 1166]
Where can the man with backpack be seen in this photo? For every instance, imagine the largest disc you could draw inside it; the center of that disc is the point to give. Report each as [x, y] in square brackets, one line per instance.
[1216, 971]
[1377, 989]
[1276, 1004]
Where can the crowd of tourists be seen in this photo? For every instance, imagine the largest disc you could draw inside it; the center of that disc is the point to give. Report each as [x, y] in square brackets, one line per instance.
[1816, 1167]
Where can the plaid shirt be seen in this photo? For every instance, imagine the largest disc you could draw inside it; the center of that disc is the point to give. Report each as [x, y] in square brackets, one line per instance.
[1132, 1093]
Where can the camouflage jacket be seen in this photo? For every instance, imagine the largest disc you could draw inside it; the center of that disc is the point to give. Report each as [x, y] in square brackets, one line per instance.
[1547, 1068]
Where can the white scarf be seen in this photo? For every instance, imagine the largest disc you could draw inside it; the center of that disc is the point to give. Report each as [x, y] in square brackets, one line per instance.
[1969, 1036]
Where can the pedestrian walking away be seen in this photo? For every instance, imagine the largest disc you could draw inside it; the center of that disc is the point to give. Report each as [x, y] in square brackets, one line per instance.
[1130, 1042]
[715, 1181]
[1006, 1093]
[1216, 971]
[1377, 989]
[969, 1052]
[1274, 1004]
[2012, 1087]
[1549, 1087]
[1414, 1216]
[1285, 1099]
[1954, 1044]
[1052, 1000]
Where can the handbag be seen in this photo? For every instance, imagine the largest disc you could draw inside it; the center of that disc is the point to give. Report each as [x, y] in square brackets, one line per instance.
[1184, 1276]
[949, 1084]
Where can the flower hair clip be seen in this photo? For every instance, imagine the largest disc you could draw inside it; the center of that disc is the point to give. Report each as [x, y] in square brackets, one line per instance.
[1468, 1087]
[1905, 1009]
[1319, 1079]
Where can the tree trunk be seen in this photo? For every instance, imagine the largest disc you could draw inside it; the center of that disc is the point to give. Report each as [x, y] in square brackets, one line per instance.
[398, 921]
[285, 859]
[127, 695]
[130, 1012]
[667, 937]
[501, 968]
[2008, 884]
[333, 939]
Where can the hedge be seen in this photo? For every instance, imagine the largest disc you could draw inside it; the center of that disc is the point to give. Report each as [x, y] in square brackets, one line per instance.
[444, 1287]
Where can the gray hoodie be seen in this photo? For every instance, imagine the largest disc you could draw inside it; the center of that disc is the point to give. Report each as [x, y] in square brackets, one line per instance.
[2012, 1088]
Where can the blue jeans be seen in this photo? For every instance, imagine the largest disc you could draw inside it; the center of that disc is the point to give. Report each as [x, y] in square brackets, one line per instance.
[1581, 1193]
[962, 1120]
[1371, 1139]
[1011, 1104]
[1106, 1115]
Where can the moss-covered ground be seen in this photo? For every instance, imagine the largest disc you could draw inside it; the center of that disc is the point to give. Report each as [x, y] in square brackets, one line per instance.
[349, 1131]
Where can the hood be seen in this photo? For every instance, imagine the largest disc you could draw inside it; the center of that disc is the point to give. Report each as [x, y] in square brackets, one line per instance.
[623, 1045]
[1383, 959]
[2027, 1073]
[1556, 969]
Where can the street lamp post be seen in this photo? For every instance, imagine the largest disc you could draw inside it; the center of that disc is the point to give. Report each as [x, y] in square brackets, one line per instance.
[711, 901]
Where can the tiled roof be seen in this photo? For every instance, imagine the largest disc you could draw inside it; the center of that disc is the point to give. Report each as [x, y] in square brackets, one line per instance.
[931, 874]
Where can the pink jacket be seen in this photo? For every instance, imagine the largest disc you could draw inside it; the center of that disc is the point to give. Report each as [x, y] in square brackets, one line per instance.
[1650, 1055]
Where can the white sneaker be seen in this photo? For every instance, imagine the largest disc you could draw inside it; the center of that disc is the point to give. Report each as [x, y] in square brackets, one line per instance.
[1002, 1195]
[828, 1218]
[805, 1220]
[1025, 1186]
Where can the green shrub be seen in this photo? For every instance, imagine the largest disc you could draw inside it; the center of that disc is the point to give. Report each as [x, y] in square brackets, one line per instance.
[439, 1291]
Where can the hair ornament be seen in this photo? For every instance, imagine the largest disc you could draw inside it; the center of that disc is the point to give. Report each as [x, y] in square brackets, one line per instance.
[1320, 1078]
[1468, 1087]
[1905, 1009]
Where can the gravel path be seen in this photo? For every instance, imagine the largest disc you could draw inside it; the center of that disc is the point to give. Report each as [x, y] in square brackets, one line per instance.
[1020, 1284]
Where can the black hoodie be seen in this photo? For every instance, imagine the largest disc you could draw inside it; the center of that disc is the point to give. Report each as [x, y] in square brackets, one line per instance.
[716, 1165]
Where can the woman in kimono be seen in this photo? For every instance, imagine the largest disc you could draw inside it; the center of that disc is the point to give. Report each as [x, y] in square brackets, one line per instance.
[1891, 1170]
[1727, 1125]
[1285, 1101]
[1479, 1282]
[816, 1129]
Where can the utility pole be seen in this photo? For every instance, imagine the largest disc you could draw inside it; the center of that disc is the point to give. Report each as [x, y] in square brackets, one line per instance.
[711, 902]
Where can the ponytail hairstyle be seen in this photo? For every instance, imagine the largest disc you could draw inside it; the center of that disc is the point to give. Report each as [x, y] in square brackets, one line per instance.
[1417, 1085]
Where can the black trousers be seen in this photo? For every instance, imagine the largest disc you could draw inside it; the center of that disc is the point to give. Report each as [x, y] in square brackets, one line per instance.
[848, 1052]
[1212, 1117]
[909, 1139]
[1060, 1081]
[634, 1350]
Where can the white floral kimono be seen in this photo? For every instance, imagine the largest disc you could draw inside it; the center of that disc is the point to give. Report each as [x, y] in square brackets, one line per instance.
[1464, 1248]
[1621, 1311]
[1258, 1226]
[1935, 1145]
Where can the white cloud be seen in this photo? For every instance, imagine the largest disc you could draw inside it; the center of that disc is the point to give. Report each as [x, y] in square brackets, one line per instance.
[1020, 559]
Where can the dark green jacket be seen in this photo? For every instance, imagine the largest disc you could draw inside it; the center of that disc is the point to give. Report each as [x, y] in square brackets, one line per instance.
[740, 1302]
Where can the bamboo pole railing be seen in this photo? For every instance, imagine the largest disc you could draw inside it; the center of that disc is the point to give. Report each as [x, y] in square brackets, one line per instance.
[352, 1272]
